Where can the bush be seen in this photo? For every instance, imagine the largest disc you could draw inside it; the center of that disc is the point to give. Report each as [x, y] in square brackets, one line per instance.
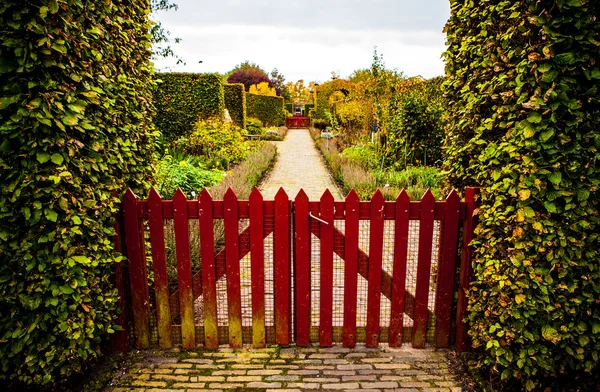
[267, 109]
[235, 103]
[75, 114]
[219, 143]
[525, 126]
[187, 173]
[320, 124]
[182, 99]
[324, 91]
[365, 156]
[254, 126]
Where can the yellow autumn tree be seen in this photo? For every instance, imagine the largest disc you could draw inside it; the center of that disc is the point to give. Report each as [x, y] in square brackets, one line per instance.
[263, 89]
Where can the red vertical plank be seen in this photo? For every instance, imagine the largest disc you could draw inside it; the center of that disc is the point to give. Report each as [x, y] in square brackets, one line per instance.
[399, 273]
[375, 267]
[120, 339]
[257, 271]
[184, 270]
[446, 271]
[137, 270]
[351, 268]
[463, 342]
[302, 273]
[423, 270]
[326, 273]
[232, 257]
[209, 271]
[161, 280]
[281, 266]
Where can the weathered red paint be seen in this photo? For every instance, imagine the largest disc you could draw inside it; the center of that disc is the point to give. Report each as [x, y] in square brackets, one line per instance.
[138, 276]
[281, 259]
[351, 269]
[257, 269]
[232, 255]
[209, 279]
[375, 269]
[297, 122]
[399, 272]
[184, 270]
[423, 270]
[302, 273]
[326, 271]
[159, 266]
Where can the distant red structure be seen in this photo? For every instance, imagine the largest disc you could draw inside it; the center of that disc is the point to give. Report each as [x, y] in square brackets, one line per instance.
[297, 121]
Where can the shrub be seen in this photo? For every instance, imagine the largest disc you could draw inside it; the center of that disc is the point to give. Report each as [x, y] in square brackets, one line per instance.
[267, 109]
[219, 143]
[235, 103]
[365, 156]
[262, 89]
[254, 126]
[185, 172]
[75, 114]
[525, 126]
[182, 99]
[320, 124]
[323, 93]
[249, 77]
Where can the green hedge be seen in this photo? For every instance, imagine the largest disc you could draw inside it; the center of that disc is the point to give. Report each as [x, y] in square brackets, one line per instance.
[289, 107]
[235, 102]
[307, 108]
[267, 109]
[75, 111]
[525, 125]
[181, 99]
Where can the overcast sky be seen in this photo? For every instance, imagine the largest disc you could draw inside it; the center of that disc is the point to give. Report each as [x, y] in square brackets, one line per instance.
[308, 39]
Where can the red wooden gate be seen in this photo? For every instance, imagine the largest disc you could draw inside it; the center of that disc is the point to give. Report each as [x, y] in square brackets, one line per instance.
[297, 122]
[209, 272]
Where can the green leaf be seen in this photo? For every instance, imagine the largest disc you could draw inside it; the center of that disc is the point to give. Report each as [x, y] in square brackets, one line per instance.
[70, 119]
[42, 157]
[551, 207]
[583, 194]
[81, 259]
[529, 212]
[66, 289]
[535, 118]
[555, 178]
[584, 340]
[546, 134]
[51, 215]
[57, 159]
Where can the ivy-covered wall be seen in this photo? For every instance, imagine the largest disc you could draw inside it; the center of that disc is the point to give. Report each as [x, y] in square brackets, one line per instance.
[267, 109]
[75, 131]
[235, 103]
[181, 99]
[524, 123]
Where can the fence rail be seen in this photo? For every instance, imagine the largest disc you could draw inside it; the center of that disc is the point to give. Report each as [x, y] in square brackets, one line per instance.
[209, 272]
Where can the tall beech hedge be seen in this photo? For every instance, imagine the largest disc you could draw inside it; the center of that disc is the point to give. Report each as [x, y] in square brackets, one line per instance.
[74, 126]
[523, 89]
[182, 99]
[267, 109]
[323, 93]
[235, 102]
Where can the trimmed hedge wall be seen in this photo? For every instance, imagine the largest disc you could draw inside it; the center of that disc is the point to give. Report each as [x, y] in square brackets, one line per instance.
[307, 108]
[75, 115]
[289, 107]
[267, 109]
[235, 102]
[525, 125]
[181, 99]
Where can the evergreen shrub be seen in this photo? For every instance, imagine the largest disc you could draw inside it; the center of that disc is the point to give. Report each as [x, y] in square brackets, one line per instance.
[267, 109]
[235, 102]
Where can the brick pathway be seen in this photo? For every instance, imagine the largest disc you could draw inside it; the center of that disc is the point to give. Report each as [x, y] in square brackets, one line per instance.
[290, 369]
[299, 165]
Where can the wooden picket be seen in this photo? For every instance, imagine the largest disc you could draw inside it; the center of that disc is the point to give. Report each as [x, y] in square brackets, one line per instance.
[167, 319]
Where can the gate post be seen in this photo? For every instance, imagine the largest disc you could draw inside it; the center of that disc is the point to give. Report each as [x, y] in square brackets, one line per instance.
[120, 339]
[463, 342]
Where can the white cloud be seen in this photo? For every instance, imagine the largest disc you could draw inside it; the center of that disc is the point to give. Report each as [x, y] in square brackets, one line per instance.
[309, 54]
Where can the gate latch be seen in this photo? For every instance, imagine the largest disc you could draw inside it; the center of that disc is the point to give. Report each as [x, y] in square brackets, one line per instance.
[317, 218]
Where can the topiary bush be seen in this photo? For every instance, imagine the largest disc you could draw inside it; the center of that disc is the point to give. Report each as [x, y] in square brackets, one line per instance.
[267, 109]
[75, 130]
[235, 102]
[181, 99]
[523, 89]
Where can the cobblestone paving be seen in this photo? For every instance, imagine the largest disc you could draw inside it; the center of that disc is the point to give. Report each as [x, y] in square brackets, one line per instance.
[291, 369]
[299, 166]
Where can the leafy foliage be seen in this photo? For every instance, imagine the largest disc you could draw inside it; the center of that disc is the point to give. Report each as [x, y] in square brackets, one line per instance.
[235, 102]
[254, 126]
[187, 173]
[267, 109]
[415, 131]
[219, 143]
[263, 89]
[249, 77]
[181, 99]
[75, 131]
[523, 92]
[323, 93]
